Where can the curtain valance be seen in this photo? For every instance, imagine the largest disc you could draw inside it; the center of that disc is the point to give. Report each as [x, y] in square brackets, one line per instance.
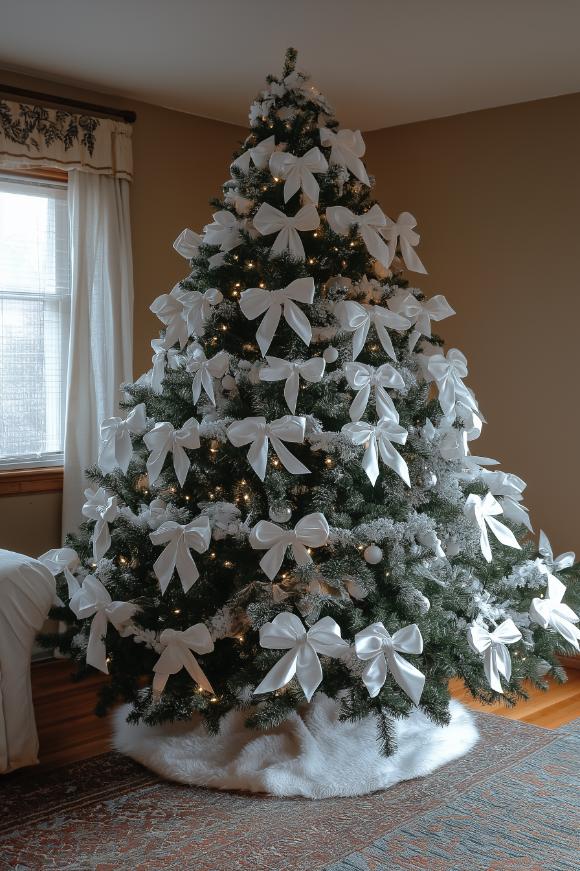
[33, 136]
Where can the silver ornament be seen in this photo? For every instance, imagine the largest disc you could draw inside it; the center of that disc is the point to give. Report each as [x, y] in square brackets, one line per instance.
[330, 354]
[373, 554]
[280, 514]
[429, 479]
[228, 382]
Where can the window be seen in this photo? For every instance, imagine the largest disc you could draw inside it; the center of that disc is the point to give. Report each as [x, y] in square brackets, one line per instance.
[34, 320]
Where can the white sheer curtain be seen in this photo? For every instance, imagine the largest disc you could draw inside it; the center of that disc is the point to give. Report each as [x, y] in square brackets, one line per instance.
[101, 346]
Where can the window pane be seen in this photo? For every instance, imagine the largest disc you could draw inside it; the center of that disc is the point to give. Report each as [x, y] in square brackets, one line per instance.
[34, 320]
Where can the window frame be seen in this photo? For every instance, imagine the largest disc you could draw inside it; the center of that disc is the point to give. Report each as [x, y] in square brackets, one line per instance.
[29, 473]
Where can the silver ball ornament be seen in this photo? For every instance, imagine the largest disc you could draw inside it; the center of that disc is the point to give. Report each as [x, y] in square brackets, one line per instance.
[429, 479]
[330, 354]
[373, 554]
[281, 514]
[228, 382]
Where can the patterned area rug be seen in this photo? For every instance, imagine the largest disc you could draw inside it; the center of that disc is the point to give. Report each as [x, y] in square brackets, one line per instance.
[510, 805]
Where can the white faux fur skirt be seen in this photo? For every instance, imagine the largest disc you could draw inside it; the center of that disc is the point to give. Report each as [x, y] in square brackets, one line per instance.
[312, 754]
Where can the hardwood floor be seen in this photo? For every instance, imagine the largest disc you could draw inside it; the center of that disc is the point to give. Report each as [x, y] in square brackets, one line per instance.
[68, 729]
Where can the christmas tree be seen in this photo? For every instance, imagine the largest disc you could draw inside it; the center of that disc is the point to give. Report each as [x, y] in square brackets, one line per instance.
[290, 504]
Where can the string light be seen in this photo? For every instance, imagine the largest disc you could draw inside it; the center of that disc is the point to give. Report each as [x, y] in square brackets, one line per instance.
[213, 699]
[228, 564]
[328, 462]
[223, 328]
[311, 260]
[212, 554]
[177, 611]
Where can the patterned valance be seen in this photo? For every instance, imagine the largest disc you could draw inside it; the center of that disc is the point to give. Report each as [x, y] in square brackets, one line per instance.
[33, 136]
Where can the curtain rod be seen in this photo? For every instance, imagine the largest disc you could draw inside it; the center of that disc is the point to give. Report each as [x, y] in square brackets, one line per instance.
[87, 108]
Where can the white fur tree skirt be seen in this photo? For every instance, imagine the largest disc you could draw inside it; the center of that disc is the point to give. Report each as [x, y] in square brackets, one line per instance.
[312, 754]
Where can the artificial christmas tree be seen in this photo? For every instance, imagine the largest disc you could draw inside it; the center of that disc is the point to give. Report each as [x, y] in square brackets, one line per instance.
[291, 504]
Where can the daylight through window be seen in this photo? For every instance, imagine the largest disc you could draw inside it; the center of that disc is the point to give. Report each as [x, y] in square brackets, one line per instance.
[34, 320]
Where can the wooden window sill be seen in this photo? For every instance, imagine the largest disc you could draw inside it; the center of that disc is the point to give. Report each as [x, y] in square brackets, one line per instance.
[44, 480]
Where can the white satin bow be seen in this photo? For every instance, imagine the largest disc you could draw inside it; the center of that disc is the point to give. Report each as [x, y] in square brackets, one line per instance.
[509, 489]
[171, 310]
[164, 438]
[358, 318]
[381, 652]
[447, 374]
[116, 449]
[179, 539]
[378, 439]
[62, 559]
[256, 300]
[551, 612]
[225, 231]
[199, 306]
[369, 226]
[258, 432]
[291, 370]
[496, 657]
[298, 172]
[420, 313]
[269, 220]
[177, 654]
[483, 513]
[363, 377]
[287, 632]
[204, 371]
[162, 357]
[259, 155]
[403, 230]
[347, 148]
[92, 599]
[187, 243]
[564, 561]
[103, 510]
[311, 531]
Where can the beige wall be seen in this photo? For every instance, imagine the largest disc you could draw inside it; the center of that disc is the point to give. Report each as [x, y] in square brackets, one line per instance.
[497, 197]
[180, 162]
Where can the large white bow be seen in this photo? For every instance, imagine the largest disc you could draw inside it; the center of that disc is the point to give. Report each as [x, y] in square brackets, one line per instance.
[256, 300]
[162, 357]
[116, 449]
[551, 612]
[269, 220]
[363, 377]
[177, 654]
[199, 306]
[311, 531]
[204, 371]
[187, 243]
[483, 513]
[403, 230]
[171, 310]
[347, 148]
[298, 172]
[447, 374]
[103, 509]
[381, 651]
[496, 657]
[378, 439]
[509, 489]
[369, 226]
[420, 313]
[92, 599]
[164, 438]
[62, 559]
[258, 432]
[358, 318]
[564, 561]
[259, 155]
[291, 370]
[225, 231]
[287, 632]
[179, 539]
